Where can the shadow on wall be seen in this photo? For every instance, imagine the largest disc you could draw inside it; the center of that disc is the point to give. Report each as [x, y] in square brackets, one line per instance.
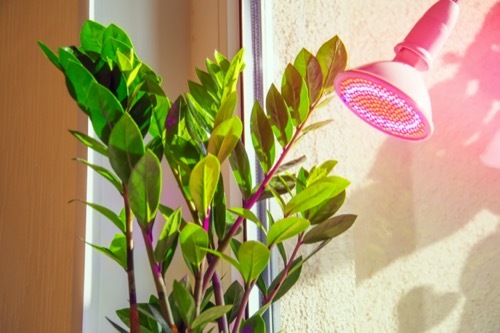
[438, 185]
[423, 193]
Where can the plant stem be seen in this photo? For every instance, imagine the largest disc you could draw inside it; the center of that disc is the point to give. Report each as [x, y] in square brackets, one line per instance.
[219, 300]
[243, 306]
[269, 298]
[249, 204]
[161, 289]
[135, 326]
[198, 292]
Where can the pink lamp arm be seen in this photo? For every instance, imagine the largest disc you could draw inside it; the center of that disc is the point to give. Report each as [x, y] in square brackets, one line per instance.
[428, 35]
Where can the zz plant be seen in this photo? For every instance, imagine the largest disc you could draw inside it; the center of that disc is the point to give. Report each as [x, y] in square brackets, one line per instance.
[137, 127]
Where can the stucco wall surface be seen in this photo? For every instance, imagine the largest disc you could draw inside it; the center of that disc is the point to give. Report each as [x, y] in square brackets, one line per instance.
[424, 254]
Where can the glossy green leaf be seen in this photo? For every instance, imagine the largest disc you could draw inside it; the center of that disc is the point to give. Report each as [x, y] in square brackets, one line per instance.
[159, 116]
[332, 57]
[81, 83]
[115, 32]
[203, 182]
[91, 36]
[168, 235]
[226, 110]
[320, 171]
[154, 316]
[141, 112]
[286, 228]
[210, 84]
[262, 138]
[104, 109]
[54, 59]
[255, 324]
[316, 126]
[310, 69]
[125, 61]
[279, 116]
[194, 241]
[315, 193]
[279, 184]
[145, 188]
[231, 78]
[326, 209]
[116, 251]
[116, 326]
[330, 229]
[219, 212]
[108, 213]
[234, 295]
[225, 137]
[294, 90]
[253, 257]
[240, 165]
[184, 302]
[249, 215]
[105, 173]
[210, 315]
[125, 147]
[90, 142]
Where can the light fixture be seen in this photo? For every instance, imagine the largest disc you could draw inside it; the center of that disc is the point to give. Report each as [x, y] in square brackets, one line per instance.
[391, 95]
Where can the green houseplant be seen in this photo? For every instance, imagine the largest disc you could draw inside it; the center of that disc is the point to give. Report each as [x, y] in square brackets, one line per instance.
[137, 127]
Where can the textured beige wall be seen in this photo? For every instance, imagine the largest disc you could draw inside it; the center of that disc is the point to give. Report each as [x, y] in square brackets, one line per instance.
[424, 255]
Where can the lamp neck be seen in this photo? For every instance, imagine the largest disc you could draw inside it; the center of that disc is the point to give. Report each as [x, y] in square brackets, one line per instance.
[428, 35]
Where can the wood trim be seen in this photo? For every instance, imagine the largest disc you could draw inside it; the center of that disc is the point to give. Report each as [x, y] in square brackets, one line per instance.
[41, 251]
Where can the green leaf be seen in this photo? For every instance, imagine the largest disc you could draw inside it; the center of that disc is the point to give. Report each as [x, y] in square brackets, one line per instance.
[185, 303]
[320, 171]
[159, 116]
[203, 182]
[231, 78]
[91, 36]
[291, 164]
[125, 147]
[279, 117]
[279, 184]
[286, 228]
[168, 235]
[105, 173]
[227, 258]
[210, 315]
[226, 110]
[253, 257]
[330, 228]
[316, 126]
[295, 93]
[145, 188]
[262, 137]
[225, 137]
[104, 110]
[316, 193]
[117, 250]
[234, 295]
[326, 209]
[255, 324]
[116, 326]
[219, 212]
[108, 213]
[90, 142]
[332, 57]
[49, 54]
[310, 69]
[81, 83]
[249, 215]
[194, 241]
[154, 317]
[240, 166]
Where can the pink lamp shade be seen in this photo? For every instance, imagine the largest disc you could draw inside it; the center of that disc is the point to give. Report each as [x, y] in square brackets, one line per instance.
[391, 95]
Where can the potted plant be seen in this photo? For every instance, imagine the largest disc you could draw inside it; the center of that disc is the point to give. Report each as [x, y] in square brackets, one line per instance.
[138, 128]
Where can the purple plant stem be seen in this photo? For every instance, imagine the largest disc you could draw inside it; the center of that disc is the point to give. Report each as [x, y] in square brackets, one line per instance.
[135, 326]
[161, 290]
[219, 300]
[243, 305]
[248, 204]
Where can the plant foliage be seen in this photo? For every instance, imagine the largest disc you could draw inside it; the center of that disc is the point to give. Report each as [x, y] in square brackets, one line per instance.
[137, 128]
